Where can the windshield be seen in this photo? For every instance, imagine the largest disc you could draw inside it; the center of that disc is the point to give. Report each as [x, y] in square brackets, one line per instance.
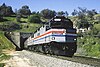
[61, 24]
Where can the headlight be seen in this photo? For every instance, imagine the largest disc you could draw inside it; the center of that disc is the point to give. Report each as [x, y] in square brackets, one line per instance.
[75, 39]
[53, 38]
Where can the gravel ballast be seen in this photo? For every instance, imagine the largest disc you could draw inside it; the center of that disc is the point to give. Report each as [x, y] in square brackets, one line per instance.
[30, 59]
[47, 61]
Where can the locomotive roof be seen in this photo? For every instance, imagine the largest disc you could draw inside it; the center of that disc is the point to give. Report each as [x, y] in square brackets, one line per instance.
[59, 17]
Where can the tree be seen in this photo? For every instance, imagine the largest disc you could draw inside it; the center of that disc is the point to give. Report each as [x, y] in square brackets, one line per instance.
[48, 14]
[91, 13]
[34, 19]
[81, 15]
[18, 15]
[53, 13]
[97, 29]
[5, 10]
[9, 11]
[1, 17]
[34, 12]
[24, 11]
[66, 13]
[75, 12]
[94, 11]
[82, 20]
[97, 18]
[61, 13]
[83, 10]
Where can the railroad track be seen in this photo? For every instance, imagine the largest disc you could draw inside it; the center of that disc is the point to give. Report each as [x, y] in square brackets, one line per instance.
[78, 59]
[83, 60]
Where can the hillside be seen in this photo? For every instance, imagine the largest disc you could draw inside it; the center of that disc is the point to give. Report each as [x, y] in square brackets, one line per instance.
[5, 43]
[5, 47]
[10, 24]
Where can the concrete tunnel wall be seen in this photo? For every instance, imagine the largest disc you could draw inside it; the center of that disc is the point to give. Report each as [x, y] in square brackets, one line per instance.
[18, 38]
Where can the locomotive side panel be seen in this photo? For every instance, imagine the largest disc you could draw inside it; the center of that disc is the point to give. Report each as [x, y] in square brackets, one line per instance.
[57, 35]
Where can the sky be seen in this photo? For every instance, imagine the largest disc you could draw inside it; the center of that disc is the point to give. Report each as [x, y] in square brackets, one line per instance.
[57, 5]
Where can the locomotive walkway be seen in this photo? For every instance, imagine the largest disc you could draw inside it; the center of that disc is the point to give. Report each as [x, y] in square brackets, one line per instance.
[29, 59]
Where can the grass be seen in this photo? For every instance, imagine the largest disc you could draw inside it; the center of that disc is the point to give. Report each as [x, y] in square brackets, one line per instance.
[24, 24]
[29, 27]
[24, 19]
[10, 18]
[3, 56]
[13, 19]
[90, 46]
[5, 44]
[2, 64]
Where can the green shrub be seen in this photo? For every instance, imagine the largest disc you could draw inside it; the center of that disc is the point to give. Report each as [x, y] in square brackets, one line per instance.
[4, 57]
[91, 45]
[34, 19]
[2, 64]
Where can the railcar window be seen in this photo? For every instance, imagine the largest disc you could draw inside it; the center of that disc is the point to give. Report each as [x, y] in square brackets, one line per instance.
[47, 28]
[32, 35]
[38, 34]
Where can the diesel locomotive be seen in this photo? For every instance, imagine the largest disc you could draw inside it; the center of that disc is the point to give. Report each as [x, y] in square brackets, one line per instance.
[56, 36]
